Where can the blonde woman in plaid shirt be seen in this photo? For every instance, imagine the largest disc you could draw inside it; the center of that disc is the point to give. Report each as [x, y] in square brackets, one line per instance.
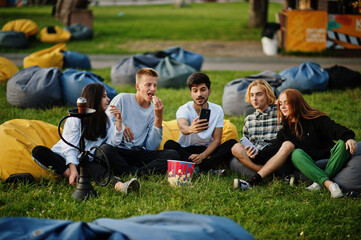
[261, 128]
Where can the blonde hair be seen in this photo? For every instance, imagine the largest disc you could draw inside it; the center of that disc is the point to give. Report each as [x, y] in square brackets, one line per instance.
[271, 98]
[145, 72]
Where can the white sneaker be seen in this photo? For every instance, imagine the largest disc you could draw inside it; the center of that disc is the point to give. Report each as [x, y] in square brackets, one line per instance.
[314, 187]
[130, 186]
[240, 184]
[335, 190]
[292, 180]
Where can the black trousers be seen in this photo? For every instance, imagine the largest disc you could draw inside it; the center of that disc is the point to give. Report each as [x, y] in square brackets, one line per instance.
[222, 154]
[46, 157]
[128, 161]
[122, 161]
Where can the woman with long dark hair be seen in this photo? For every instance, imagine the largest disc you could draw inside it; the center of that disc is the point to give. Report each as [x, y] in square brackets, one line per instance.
[313, 134]
[98, 129]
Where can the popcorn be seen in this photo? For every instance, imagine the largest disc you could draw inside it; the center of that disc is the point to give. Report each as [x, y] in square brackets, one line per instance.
[179, 172]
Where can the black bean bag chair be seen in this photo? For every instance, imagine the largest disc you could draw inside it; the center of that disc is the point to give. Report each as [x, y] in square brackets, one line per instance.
[13, 39]
[34, 87]
[343, 77]
[124, 71]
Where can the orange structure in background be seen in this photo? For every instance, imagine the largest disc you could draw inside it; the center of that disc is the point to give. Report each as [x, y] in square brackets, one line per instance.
[304, 30]
[345, 30]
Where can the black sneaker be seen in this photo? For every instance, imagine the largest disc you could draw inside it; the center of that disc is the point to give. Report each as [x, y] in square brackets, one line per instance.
[240, 184]
[219, 172]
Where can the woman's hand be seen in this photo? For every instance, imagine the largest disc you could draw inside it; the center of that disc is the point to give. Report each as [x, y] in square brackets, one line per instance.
[118, 116]
[116, 112]
[74, 175]
[351, 145]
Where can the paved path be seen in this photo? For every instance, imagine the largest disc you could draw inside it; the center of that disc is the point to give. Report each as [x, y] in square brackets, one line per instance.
[274, 63]
[245, 63]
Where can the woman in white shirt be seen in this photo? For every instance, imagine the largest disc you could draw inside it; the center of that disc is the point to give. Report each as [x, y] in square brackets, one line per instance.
[98, 129]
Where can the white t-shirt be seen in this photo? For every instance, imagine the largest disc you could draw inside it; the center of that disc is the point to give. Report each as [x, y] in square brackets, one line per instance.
[204, 138]
[72, 132]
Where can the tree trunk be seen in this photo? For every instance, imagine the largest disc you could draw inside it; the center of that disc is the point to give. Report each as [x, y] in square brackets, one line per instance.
[258, 13]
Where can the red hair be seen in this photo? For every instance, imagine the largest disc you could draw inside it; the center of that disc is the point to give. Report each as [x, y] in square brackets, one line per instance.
[298, 109]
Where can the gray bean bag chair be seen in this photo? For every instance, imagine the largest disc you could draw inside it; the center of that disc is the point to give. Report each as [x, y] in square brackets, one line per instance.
[34, 87]
[306, 77]
[233, 101]
[236, 166]
[349, 178]
[173, 225]
[124, 71]
[13, 39]
[178, 54]
[79, 31]
[73, 81]
[173, 74]
[192, 59]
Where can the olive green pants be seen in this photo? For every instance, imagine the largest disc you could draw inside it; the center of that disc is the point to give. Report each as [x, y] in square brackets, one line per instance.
[339, 157]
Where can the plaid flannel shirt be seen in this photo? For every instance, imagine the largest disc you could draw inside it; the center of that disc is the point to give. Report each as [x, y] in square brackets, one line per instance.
[261, 127]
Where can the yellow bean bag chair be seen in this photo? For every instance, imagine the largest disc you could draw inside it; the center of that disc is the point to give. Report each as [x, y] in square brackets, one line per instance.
[18, 137]
[171, 132]
[7, 69]
[28, 27]
[54, 35]
[49, 57]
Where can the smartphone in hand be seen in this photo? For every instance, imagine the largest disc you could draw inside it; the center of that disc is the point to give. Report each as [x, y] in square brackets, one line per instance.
[205, 114]
[246, 142]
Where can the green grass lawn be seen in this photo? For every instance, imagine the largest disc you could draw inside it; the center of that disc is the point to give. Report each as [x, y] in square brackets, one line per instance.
[210, 21]
[273, 210]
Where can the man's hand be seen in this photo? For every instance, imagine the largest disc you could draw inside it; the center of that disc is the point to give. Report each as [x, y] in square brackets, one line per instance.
[351, 145]
[198, 125]
[196, 158]
[128, 134]
[251, 152]
[158, 107]
[158, 111]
